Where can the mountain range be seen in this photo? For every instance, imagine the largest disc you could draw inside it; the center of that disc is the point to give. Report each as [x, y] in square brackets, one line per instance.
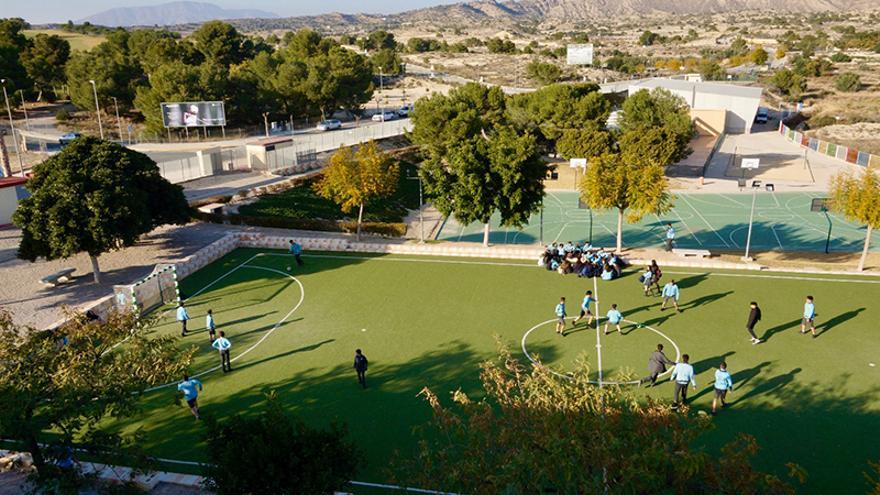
[172, 13]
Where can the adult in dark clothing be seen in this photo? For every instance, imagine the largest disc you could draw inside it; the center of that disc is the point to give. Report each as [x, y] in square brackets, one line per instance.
[360, 365]
[656, 365]
[656, 274]
[754, 318]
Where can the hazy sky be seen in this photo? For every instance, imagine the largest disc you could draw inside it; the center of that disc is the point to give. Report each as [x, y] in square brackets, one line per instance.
[43, 11]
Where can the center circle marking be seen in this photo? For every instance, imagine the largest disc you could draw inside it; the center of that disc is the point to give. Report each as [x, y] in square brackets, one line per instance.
[598, 318]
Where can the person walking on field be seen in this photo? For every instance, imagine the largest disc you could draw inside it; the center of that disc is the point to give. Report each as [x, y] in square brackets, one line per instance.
[670, 236]
[646, 278]
[723, 385]
[809, 316]
[682, 375]
[560, 317]
[656, 274]
[209, 324]
[754, 318]
[223, 345]
[656, 365]
[182, 317]
[296, 251]
[360, 365]
[190, 388]
[671, 292]
[585, 308]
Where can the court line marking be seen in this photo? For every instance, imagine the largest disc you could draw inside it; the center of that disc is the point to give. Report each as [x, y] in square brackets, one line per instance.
[598, 345]
[773, 229]
[302, 296]
[688, 227]
[706, 221]
[529, 265]
[598, 339]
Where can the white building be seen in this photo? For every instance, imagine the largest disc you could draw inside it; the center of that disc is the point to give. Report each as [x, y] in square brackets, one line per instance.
[11, 191]
[740, 103]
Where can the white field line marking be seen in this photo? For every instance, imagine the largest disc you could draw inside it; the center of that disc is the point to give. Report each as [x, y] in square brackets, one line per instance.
[773, 229]
[706, 221]
[733, 201]
[302, 296]
[773, 195]
[594, 382]
[529, 265]
[688, 227]
[356, 483]
[559, 234]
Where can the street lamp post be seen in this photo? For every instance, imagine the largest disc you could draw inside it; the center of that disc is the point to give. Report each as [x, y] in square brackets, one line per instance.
[12, 128]
[97, 107]
[118, 121]
[27, 122]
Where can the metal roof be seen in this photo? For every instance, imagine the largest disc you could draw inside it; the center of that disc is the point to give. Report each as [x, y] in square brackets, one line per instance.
[725, 89]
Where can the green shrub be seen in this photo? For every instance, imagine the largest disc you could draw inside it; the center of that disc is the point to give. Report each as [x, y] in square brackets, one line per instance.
[848, 82]
[841, 57]
[62, 115]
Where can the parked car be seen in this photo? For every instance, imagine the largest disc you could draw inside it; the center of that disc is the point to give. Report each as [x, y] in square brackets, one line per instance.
[67, 138]
[329, 125]
[762, 116]
[384, 115]
[405, 110]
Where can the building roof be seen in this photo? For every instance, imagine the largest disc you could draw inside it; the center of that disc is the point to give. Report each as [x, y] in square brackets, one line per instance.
[725, 89]
[12, 181]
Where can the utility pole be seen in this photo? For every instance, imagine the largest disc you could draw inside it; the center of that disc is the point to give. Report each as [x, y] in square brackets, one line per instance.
[27, 122]
[97, 107]
[12, 127]
[118, 121]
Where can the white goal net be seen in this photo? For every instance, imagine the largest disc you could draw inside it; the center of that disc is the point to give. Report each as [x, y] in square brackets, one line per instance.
[154, 290]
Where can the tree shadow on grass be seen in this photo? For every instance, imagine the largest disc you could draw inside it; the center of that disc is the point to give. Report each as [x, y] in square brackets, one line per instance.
[703, 300]
[307, 348]
[692, 281]
[838, 320]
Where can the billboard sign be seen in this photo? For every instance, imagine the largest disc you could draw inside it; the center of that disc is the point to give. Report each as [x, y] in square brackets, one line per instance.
[579, 54]
[578, 163]
[751, 163]
[193, 114]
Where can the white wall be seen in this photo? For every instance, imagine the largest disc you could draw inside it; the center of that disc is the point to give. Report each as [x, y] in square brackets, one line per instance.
[8, 204]
[740, 110]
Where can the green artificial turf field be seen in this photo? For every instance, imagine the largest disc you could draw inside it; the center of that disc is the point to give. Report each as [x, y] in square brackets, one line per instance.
[431, 321]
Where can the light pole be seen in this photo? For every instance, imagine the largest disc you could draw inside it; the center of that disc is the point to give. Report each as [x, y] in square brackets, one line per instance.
[421, 202]
[97, 108]
[12, 127]
[118, 121]
[27, 122]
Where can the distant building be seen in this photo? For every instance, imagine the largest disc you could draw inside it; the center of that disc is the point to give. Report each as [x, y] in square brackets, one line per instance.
[11, 191]
[740, 103]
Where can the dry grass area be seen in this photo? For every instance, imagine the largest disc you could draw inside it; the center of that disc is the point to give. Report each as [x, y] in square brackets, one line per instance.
[78, 42]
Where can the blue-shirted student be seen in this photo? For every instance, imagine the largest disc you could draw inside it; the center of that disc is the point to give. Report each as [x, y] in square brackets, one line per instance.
[585, 308]
[560, 316]
[809, 316]
[670, 236]
[723, 385]
[190, 388]
[671, 293]
[682, 375]
[296, 250]
[614, 318]
[182, 317]
[211, 326]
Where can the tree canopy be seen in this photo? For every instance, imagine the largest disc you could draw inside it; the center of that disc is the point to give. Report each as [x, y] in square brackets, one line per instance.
[352, 179]
[44, 60]
[663, 110]
[476, 163]
[94, 196]
[291, 456]
[68, 381]
[857, 197]
[550, 111]
[532, 431]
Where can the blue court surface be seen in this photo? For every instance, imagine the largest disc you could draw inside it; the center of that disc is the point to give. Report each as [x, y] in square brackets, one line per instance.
[720, 222]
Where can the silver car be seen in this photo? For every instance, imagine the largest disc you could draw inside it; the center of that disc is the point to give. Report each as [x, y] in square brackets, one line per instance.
[329, 125]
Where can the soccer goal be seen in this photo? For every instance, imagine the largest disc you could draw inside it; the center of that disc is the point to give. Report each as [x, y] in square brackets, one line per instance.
[154, 290]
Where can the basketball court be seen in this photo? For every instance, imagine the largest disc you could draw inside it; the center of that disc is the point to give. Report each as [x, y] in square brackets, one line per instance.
[782, 222]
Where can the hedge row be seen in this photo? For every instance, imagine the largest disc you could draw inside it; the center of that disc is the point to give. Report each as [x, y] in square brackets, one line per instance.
[381, 228]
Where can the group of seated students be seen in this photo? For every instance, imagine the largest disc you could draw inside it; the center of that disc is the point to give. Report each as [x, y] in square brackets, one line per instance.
[581, 259]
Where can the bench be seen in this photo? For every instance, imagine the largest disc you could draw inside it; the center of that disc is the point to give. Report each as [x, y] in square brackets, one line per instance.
[55, 278]
[699, 253]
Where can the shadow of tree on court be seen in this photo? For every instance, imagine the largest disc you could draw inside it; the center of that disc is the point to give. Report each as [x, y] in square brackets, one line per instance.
[838, 320]
[742, 377]
[779, 328]
[310, 347]
[706, 364]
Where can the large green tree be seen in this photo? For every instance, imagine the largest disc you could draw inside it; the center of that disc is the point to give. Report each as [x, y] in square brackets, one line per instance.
[588, 141]
[58, 387]
[12, 44]
[45, 60]
[220, 43]
[533, 432]
[115, 72]
[663, 110]
[94, 196]
[292, 457]
[338, 78]
[550, 111]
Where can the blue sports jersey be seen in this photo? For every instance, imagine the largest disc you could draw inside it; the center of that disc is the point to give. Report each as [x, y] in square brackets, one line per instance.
[586, 304]
[560, 310]
[614, 316]
[190, 388]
